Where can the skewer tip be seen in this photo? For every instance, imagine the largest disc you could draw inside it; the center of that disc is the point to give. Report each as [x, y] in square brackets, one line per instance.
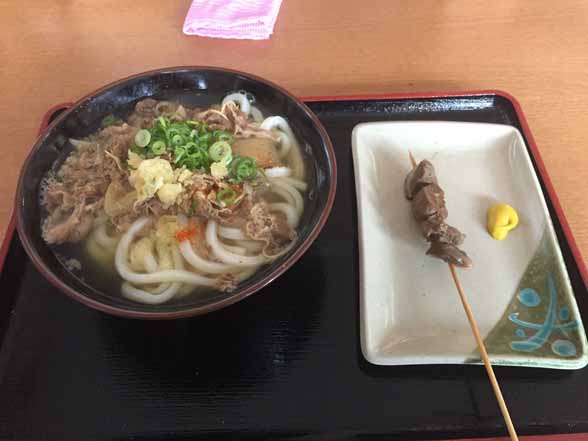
[412, 160]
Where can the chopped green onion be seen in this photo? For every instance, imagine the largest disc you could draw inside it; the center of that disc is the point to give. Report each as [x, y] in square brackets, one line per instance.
[227, 196]
[206, 138]
[221, 135]
[193, 207]
[142, 138]
[188, 143]
[158, 147]
[243, 168]
[162, 122]
[110, 120]
[177, 140]
[195, 159]
[220, 151]
[179, 152]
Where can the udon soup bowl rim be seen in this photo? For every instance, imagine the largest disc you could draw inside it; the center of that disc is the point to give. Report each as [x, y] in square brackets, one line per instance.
[231, 298]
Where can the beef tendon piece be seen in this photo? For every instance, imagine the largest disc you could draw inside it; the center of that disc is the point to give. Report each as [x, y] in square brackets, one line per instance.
[428, 202]
[453, 236]
[450, 254]
[433, 230]
[441, 232]
[422, 175]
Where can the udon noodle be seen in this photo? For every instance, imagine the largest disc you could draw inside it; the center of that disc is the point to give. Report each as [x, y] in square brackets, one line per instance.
[174, 198]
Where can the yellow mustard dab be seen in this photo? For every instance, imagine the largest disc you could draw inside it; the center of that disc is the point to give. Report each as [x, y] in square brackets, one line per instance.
[501, 219]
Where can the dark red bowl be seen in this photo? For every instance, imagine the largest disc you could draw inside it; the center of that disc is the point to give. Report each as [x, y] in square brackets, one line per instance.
[196, 86]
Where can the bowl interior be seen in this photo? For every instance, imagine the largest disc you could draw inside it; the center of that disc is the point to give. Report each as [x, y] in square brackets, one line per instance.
[195, 87]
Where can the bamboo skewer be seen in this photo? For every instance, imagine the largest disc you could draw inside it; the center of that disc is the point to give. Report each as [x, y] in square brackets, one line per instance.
[470, 315]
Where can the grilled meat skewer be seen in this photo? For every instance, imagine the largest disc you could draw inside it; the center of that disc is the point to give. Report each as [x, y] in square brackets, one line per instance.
[429, 210]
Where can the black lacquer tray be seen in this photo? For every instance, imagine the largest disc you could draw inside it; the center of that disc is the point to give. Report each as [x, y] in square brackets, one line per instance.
[283, 364]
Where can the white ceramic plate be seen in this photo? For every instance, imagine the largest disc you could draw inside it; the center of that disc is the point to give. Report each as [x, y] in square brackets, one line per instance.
[519, 288]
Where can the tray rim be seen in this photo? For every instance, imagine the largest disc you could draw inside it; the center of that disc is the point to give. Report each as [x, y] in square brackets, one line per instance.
[526, 131]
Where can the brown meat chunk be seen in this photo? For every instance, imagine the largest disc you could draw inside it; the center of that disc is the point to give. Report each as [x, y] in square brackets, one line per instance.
[199, 199]
[56, 195]
[144, 114]
[118, 139]
[433, 230]
[239, 213]
[271, 228]
[60, 228]
[450, 254]
[73, 194]
[238, 118]
[421, 176]
[230, 118]
[146, 107]
[429, 201]
[216, 120]
[441, 232]
[453, 236]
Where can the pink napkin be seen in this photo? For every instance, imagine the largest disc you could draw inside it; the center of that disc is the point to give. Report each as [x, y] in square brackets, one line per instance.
[243, 19]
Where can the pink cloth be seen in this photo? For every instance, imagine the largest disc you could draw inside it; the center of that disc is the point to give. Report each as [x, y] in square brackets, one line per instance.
[243, 19]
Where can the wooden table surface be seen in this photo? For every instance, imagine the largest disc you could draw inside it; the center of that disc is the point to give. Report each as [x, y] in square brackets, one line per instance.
[55, 51]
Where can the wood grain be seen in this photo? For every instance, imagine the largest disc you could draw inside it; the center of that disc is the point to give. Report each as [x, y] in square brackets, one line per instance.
[538, 51]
